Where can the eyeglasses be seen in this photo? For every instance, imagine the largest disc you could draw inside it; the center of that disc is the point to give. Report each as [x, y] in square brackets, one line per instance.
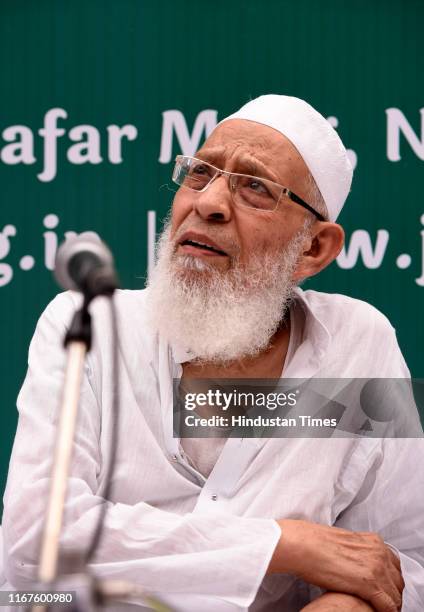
[247, 191]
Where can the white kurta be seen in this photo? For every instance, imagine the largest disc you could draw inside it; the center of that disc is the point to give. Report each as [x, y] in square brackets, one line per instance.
[206, 543]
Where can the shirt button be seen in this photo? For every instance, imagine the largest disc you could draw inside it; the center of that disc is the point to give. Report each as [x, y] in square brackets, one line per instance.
[214, 497]
[174, 457]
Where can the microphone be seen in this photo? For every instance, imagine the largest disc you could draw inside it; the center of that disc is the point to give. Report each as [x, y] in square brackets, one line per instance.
[84, 263]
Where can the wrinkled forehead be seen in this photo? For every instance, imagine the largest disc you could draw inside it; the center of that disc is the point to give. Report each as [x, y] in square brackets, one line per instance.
[239, 145]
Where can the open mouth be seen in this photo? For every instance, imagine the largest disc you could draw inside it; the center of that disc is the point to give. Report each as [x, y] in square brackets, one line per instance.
[202, 246]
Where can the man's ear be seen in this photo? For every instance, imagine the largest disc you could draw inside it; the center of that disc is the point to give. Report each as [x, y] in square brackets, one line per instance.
[320, 249]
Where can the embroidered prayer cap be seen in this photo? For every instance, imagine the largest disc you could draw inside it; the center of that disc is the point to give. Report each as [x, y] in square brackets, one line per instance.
[316, 140]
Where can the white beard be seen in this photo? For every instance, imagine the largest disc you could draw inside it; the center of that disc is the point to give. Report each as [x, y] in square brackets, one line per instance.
[221, 316]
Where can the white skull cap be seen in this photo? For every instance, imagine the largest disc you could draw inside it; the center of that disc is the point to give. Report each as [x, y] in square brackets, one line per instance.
[317, 142]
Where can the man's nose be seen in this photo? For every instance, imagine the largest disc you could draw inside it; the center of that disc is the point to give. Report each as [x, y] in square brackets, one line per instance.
[215, 203]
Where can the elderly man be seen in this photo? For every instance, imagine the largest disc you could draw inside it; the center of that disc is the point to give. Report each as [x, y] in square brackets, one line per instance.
[229, 524]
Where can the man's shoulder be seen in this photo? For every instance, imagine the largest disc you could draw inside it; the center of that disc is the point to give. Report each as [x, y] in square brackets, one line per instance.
[136, 334]
[130, 304]
[363, 341]
[342, 312]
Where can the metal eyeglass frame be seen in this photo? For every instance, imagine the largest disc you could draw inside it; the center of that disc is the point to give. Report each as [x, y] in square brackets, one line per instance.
[284, 190]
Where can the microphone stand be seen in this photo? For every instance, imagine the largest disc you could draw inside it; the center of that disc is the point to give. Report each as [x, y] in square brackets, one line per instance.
[78, 342]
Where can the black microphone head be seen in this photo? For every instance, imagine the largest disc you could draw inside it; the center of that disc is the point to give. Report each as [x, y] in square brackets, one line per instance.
[84, 263]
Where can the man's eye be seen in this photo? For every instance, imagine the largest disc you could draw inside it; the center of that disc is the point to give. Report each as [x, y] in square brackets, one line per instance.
[258, 187]
[202, 170]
